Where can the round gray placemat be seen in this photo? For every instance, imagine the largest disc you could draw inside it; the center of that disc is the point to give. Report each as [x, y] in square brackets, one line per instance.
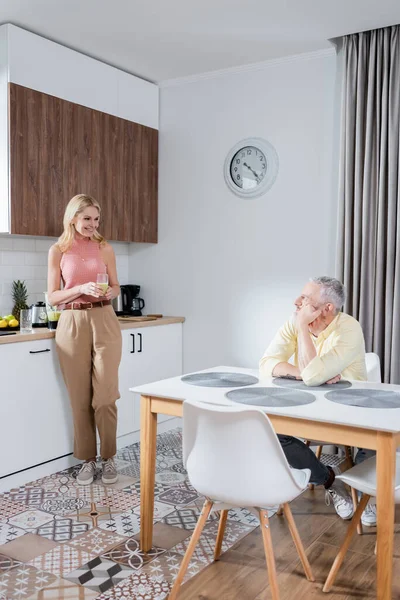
[269, 396]
[216, 379]
[365, 398]
[300, 385]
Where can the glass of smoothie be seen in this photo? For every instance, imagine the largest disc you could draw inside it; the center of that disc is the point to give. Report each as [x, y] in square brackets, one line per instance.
[52, 318]
[102, 282]
[53, 314]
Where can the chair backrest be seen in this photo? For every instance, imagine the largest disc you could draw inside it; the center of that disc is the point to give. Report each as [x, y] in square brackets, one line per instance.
[373, 367]
[233, 455]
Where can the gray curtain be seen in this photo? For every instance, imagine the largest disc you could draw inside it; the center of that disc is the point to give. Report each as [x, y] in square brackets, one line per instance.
[368, 255]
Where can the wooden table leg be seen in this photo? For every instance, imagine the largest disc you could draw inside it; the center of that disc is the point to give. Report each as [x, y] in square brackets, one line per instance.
[385, 467]
[148, 445]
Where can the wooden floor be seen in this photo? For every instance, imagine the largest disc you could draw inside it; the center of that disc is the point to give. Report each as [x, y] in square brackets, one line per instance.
[241, 572]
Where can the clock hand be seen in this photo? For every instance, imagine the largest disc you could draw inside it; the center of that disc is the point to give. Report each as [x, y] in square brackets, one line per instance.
[254, 173]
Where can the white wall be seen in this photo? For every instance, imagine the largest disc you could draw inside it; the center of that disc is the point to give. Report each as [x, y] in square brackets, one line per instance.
[233, 267]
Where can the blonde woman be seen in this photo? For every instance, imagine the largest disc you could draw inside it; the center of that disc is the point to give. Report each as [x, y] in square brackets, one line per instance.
[88, 336]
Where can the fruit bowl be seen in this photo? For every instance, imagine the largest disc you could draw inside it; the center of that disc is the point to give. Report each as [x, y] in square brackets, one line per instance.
[8, 328]
[5, 323]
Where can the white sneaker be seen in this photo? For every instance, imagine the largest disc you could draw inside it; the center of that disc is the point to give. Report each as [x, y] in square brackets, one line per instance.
[110, 474]
[343, 504]
[86, 474]
[368, 518]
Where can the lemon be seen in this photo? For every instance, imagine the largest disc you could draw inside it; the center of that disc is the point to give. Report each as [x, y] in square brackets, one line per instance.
[3, 323]
[13, 323]
[9, 318]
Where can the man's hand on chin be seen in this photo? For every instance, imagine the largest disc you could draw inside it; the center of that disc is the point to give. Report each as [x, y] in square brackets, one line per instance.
[334, 379]
[306, 315]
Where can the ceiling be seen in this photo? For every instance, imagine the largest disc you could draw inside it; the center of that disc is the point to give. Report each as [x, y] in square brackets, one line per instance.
[166, 39]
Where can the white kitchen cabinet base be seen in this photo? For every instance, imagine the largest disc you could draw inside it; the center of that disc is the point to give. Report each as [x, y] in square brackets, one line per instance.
[148, 354]
[35, 415]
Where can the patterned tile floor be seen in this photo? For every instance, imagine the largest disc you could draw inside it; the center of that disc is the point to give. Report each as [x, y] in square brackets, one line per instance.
[62, 541]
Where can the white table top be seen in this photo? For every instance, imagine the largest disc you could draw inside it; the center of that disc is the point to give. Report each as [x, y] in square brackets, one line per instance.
[320, 410]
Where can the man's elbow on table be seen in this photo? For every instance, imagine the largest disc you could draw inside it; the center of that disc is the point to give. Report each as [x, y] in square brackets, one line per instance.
[267, 365]
[314, 374]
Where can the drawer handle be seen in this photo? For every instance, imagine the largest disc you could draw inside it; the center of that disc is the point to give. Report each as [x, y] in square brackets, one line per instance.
[140, 342]
[133, 343]
[39, 351]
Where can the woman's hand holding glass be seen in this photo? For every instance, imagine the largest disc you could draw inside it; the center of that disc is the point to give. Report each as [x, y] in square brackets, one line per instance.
[102, 282]
[108, 292]
[111, 293]
[91, 289]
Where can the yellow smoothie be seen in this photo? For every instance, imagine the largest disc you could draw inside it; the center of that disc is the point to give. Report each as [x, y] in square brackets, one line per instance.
[53, 315]
[104, 287]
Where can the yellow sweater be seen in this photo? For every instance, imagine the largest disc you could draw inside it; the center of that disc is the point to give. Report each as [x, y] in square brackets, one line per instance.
[340, 350]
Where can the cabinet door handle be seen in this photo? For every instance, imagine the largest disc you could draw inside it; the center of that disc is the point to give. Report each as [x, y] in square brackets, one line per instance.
[140, 342]
[39, 351]
[133, 343]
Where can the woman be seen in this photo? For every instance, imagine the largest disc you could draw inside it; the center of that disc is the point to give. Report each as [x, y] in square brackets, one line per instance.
[88, 336]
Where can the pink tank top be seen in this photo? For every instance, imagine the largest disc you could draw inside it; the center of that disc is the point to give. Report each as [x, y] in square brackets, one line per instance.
[81, 264]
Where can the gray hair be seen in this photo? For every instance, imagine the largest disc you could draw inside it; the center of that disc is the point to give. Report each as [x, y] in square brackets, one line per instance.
[332, 290]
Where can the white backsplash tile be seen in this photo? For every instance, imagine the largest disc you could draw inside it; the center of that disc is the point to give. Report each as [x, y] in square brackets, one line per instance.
[6, 243]
[120, 248]
[122, 265]
[23, 243]
[12, 258]
[36, 258]
[36, 286]
[43, 244]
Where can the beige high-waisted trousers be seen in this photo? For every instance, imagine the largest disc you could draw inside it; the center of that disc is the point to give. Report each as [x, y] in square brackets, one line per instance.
[89, 346]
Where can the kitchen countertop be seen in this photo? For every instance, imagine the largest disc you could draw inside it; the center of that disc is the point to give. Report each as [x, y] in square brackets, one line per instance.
[44, 333]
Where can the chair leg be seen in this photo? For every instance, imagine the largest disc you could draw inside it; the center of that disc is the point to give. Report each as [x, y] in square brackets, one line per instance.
[297, 542]
[207, 506]
[346, 543]
[269, 553]
[220, 535]
[349, 457]
[355, 504]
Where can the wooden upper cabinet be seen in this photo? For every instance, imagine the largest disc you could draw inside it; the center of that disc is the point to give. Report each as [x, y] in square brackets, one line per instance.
[59, 149]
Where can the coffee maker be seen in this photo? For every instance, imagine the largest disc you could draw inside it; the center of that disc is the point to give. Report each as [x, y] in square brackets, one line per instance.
[128, 302]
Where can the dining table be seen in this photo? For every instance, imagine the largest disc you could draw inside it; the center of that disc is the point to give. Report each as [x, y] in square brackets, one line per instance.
[320, 418]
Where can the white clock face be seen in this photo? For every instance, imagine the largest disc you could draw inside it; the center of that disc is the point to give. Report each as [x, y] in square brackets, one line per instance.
[251, 167]
[248, 167]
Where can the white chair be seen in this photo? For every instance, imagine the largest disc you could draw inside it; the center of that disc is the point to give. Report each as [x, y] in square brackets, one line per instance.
[373, 367]
[362, 477]
[234, 459]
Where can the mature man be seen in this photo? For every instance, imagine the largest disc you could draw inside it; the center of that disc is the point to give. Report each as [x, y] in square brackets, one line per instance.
[326, 344]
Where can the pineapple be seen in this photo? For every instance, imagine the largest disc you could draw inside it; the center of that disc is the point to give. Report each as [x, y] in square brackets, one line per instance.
[20, 297]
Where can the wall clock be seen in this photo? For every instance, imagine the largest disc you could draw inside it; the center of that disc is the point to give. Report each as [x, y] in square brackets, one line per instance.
[251, 167]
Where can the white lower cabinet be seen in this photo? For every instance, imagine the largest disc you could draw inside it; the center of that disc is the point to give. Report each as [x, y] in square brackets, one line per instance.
[35, 417]
[148, 354]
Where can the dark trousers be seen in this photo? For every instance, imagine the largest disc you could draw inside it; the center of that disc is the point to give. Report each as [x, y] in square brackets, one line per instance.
[300, 456]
